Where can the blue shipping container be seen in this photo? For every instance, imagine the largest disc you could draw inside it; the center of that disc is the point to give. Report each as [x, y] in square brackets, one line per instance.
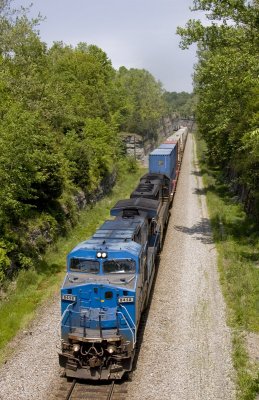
[163, 161]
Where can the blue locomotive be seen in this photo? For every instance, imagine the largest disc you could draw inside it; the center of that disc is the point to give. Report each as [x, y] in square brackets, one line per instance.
[109, 277]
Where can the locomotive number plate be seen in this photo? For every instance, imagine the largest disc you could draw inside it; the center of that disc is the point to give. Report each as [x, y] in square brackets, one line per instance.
[68, 297]
[126, 299]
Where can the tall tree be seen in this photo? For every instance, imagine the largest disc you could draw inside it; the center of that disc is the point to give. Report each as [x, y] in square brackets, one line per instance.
[143, 103]
[78, 86]
[226, 83]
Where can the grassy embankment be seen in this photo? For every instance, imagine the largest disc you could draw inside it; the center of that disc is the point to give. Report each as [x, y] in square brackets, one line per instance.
[32, 287]
[237, 241]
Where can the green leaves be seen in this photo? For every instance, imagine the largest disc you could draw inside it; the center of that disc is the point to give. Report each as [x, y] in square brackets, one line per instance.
[5, 261]
[92, 153]
[192, 33]
[180, 103]
[29, 167]
[140, 101]
[226, 84]
[78, 86]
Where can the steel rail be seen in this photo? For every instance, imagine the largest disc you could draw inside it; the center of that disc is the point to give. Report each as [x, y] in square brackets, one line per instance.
[109, 397]
[85, 391]
[71, 389]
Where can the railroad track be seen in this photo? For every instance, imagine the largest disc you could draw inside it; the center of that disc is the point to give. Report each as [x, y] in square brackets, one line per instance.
[77, 390]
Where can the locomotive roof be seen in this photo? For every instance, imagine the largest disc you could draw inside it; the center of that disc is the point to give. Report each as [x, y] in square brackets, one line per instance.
[119, 229]
[117, 235]
[89, 248]
[136, 205]
[147, 188]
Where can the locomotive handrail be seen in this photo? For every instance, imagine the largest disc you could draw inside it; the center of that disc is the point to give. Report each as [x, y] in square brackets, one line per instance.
[131, 320]
[131, 330]
[63, 316]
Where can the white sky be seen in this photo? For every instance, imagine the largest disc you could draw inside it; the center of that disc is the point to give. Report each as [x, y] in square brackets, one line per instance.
[133, 33]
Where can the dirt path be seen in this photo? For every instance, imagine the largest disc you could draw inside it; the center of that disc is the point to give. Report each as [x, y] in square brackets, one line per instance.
[186, 349]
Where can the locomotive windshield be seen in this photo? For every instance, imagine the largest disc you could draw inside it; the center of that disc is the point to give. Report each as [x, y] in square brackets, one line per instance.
[119, 267]
[83, 265]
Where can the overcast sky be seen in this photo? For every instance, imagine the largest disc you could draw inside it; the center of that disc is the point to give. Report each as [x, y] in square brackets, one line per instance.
[133, 33]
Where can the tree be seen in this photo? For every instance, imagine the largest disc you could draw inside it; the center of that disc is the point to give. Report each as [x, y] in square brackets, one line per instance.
[78, 86]
[226, 83]
[92, 153]
[142, 103]
[182, 103]
[30, 167]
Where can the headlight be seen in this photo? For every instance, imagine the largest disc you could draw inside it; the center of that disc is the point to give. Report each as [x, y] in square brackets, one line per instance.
[104, 255]
[111, 349]
[99, 255]
[76, 348]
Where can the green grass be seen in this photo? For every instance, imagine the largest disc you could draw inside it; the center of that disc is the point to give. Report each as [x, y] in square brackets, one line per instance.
[34, 286]
[237, 241]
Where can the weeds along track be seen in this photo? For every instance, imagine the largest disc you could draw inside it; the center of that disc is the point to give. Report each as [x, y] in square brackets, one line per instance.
[77, 390]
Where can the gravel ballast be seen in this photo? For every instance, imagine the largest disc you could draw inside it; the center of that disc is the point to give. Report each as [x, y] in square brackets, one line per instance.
[33, 370]
[186, 348]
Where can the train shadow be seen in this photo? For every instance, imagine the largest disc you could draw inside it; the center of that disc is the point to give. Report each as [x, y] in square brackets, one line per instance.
[143, 321]
[200, 231]
[199, 172]
[203, 191]
[144, 317]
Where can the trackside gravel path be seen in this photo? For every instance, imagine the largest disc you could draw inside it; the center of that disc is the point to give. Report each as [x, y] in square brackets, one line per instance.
[185, 353]
[186, 348]
[33, 370]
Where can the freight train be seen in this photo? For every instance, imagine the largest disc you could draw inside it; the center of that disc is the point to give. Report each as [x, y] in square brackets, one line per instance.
[109, 276]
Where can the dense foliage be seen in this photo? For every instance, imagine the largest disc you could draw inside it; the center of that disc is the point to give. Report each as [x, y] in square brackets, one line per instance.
[144, 105]
[182, 103]
[227, 87]
[61, 111]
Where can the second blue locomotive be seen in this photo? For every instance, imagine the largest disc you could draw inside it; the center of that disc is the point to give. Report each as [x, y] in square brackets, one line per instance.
[109, 276]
